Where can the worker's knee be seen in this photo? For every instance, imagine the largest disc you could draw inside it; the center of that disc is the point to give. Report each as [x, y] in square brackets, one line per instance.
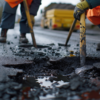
[8, 9]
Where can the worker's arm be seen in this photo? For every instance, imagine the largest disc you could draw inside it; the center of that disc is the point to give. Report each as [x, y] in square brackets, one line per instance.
[80, 8]
[83, 6]
[93, 3]
[34, 7]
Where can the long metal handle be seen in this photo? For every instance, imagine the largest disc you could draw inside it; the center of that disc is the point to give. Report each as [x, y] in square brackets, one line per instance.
[29, 22]
[70, 31]
[82, 40]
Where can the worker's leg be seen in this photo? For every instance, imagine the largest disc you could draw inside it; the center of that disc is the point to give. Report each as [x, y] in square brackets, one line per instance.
[23, 23]
[24, 28]
[7, 21]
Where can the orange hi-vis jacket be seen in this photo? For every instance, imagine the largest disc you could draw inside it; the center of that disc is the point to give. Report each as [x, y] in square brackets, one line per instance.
[14, 3]
[94, 15]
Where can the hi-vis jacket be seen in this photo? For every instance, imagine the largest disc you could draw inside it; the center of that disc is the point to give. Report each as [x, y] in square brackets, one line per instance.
[93, 14]
[11, 5]
[14, 3]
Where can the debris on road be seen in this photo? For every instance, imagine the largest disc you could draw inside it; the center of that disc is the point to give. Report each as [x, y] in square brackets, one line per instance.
[47, 72]
[13, 61]
[9, 89]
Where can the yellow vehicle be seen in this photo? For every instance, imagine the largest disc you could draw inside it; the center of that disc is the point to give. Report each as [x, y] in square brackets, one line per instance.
[59, 18]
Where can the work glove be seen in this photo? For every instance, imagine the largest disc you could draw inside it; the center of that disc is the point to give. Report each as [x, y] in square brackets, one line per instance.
[80, 8]
[32, 19]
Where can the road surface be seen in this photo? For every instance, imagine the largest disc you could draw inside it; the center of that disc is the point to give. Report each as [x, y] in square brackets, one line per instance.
[43, 66]
[47, 36]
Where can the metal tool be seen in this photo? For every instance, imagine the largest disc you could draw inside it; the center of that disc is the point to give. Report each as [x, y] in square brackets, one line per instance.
[29, 22]
[70, 31]
[82, 39]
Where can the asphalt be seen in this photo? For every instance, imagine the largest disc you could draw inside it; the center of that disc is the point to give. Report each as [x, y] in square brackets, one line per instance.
[51, 64]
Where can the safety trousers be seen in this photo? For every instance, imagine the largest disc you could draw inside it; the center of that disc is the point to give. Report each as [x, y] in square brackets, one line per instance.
[8, 18]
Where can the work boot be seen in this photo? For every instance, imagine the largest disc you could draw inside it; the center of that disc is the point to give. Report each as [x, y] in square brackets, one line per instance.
[98, 46]
[3, 35]
[23, 39]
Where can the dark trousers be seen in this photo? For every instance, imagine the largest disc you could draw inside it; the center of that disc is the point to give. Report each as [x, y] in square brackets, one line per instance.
[8, 18]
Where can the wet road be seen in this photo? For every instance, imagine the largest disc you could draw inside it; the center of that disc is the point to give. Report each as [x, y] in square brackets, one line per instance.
[58, 36]
[43, 66]
[47, 36]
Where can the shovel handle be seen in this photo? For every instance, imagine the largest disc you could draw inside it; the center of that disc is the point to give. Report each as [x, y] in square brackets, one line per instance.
[29, 22]
[82, 39]
[70, 31]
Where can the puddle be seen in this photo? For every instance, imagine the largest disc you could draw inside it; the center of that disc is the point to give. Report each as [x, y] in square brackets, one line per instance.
[43, 89]
[44, 86]
[46, 82]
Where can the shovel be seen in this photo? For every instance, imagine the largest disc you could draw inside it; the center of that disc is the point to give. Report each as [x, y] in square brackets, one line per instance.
[29, 22]
[70, 31]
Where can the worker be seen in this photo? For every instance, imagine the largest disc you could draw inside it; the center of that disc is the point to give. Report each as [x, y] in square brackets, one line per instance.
[8, 18]
[82, 7]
